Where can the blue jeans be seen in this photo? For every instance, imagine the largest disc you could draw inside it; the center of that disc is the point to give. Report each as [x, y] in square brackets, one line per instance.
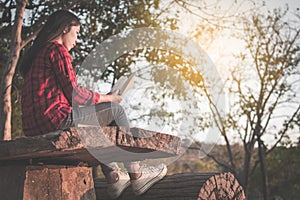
[103, 114]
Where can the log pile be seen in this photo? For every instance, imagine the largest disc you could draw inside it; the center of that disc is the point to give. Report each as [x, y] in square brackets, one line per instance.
[59, 166]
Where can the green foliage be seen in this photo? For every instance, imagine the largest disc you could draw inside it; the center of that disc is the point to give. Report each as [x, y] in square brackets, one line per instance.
[284, 173]
[100, 20]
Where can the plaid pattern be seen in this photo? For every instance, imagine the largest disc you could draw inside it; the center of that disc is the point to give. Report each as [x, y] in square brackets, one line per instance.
[50, 89]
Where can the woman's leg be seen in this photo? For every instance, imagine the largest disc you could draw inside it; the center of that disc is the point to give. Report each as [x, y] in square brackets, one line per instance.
[134, 169]
[103, 114]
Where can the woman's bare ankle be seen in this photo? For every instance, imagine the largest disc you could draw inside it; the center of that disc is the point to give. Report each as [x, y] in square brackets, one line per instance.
[134, 170]
[135, 176]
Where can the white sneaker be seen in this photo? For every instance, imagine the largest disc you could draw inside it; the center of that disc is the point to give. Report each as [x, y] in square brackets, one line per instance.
[150, 175]
[114, 190]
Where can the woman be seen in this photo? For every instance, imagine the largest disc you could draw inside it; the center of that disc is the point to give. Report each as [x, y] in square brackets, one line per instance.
[52, 99]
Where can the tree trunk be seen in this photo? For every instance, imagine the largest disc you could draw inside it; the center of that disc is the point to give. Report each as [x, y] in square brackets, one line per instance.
[246, 168]
[263, 167]
[15, 48]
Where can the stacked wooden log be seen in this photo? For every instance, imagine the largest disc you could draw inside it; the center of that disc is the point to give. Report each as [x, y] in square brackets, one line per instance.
[190, 186]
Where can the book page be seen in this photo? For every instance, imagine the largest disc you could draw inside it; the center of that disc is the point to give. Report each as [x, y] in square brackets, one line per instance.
[124, 84]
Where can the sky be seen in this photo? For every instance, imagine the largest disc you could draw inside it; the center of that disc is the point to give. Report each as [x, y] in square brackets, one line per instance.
[223, 47]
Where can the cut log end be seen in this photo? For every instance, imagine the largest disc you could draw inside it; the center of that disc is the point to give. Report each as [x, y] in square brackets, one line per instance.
[222, 186]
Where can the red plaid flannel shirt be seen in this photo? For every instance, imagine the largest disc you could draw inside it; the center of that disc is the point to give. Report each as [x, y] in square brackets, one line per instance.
[50, 89]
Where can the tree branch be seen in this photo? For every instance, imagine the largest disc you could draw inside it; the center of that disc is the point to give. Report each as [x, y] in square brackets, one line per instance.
[284, 130]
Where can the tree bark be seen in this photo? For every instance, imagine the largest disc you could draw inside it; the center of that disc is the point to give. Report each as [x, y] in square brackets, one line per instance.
[248, 147]
[184, 186]
[263, 167]
[5, 96]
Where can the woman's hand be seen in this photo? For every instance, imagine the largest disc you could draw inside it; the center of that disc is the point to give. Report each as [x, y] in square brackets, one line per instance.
[115, 97]
[111, 97]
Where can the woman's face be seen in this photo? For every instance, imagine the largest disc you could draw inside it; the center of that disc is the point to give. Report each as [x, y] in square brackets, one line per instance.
[69, 39]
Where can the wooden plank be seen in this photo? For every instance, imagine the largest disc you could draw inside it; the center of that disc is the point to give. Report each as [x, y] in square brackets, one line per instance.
[89, 144]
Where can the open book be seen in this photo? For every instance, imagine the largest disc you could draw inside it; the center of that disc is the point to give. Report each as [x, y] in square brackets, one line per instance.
[124, 84]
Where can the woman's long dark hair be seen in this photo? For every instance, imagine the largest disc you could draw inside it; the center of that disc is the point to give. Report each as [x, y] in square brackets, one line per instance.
[56, 24]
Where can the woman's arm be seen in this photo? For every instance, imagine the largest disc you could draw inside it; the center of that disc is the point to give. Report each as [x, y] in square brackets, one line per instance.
[113, 97]
[62, 66]
[66, 76]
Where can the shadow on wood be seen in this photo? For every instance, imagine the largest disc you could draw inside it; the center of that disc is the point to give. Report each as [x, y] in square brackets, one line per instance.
[197, 186]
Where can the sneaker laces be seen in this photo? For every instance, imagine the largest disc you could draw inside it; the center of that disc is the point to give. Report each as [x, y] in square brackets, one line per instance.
[150, 169]
[121, 173]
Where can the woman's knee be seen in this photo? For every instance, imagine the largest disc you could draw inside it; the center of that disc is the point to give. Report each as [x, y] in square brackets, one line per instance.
[117, 107]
